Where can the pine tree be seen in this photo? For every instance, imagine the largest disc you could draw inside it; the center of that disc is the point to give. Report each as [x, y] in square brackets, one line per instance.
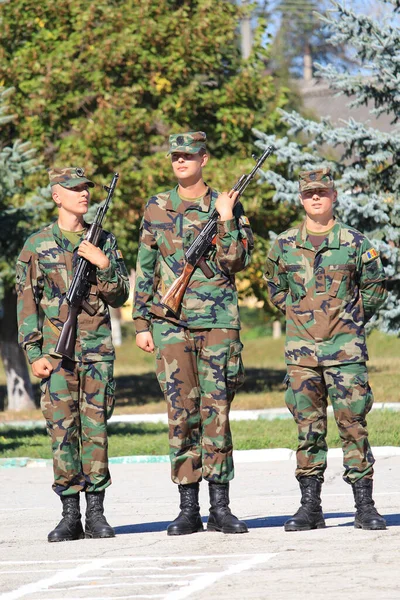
[18, 217]
[368, 172]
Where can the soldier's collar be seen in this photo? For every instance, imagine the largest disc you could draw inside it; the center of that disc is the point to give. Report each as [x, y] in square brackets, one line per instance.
[176, 204]
[61, 240]
[332, 240]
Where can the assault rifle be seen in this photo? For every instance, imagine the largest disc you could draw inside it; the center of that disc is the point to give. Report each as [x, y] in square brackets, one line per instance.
[79, 290]
[195, 254]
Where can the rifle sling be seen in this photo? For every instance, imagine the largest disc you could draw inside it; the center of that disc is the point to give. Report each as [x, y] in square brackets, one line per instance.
[53, 327]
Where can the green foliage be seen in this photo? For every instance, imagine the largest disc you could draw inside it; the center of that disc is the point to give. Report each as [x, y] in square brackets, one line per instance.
[18, 216]
[102, 84]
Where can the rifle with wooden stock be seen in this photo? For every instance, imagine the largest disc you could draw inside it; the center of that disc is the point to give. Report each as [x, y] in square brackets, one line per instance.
[80, 287]
[195, 254]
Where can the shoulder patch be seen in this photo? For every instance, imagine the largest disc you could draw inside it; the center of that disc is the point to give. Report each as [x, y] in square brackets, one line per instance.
[369, 255]
[244, 221]
[119, 255]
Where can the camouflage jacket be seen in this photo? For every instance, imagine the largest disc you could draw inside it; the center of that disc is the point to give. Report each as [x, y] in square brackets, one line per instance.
[44, 274]
[169, 226]
[327, 294]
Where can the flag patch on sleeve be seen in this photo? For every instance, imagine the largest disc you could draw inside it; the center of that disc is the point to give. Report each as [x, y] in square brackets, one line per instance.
[119, 254]
[370, 254]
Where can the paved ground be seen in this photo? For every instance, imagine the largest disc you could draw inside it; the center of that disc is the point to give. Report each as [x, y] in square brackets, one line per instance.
[142, 562]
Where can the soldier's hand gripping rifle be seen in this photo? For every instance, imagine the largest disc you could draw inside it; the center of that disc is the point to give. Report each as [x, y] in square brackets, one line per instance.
[194, 255]
[80, 287]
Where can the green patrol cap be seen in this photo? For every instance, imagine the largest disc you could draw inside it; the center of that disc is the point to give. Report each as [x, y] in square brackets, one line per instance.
[190, 142]
[68, 177]
[317, 179]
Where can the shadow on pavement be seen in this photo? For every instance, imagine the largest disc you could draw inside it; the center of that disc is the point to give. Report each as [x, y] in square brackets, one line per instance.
[279, 521]
[391, 520]
[142, 527]
[258, 523]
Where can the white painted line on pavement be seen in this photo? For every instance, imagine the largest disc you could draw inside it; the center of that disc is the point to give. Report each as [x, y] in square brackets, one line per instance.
[130, 597]
[205, 581]
[158, 576]
[94, 586]
[60, 577]
[138, 568]
[69, 575]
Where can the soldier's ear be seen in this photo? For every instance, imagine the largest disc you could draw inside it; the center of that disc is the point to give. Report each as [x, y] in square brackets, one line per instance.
[301, 200]
[55, 196]
[204, 160]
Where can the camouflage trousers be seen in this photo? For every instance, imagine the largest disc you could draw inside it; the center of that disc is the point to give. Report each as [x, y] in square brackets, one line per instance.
[198, 372]
[76, 401]
[351, 397]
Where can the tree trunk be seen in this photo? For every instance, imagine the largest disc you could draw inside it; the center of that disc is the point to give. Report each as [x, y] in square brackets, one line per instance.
[115, 315]
[246, 36]
[307, 63]
[19, 387]
[276, 330]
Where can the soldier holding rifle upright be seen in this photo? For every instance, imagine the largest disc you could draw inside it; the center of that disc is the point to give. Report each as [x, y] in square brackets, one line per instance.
[78, 393]
[198, 348]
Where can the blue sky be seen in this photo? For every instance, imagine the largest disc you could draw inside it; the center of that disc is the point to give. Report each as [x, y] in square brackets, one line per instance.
[376, 8]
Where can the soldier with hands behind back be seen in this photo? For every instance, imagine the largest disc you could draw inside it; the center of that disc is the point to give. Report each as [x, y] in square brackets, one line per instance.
[328, 280]
[198, 350]
[77, 395]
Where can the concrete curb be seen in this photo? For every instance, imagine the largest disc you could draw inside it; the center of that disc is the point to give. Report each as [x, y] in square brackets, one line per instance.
[240, 456]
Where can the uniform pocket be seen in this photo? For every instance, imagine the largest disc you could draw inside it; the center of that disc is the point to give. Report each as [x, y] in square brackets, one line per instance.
[234, 367]
[290, 399]
[56, 277]
[160, 372]
[296, 281]
[341, 278]
[45, 403]
[93, 297]
[167, 243]
[110, 398]
[362, 397]
[22, 271]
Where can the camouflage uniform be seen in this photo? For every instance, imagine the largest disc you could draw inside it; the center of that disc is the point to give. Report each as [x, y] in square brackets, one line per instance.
[78, 397]
[327, 295]
[199, 363]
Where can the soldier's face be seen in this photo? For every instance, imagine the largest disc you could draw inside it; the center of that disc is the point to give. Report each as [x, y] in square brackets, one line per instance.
[188, 167]
[318, 202]
[74, 200]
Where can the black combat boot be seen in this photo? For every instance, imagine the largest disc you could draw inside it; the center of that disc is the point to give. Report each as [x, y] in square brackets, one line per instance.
[189, 519]
[366, 517]
[221, 518]
[96, 525]
[70, 526]
[309, 515]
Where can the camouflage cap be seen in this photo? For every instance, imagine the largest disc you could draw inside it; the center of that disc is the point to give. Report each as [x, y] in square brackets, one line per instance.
[68, 177]
[317, 179]
[190, 142]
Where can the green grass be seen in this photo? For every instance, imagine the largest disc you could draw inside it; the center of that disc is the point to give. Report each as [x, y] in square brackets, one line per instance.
[133, 439]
